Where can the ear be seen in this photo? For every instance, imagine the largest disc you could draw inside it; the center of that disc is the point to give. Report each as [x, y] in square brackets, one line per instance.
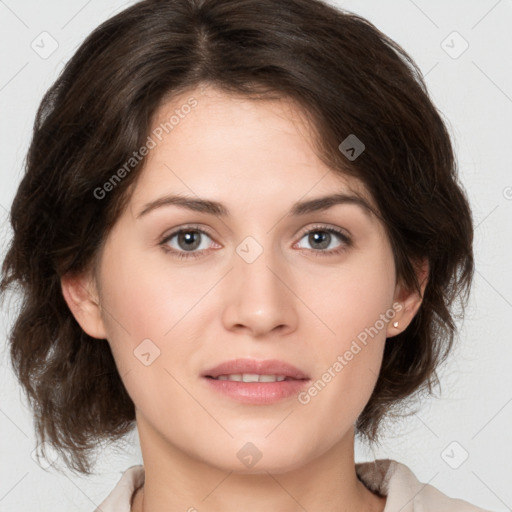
[81, 296]
[409, 301]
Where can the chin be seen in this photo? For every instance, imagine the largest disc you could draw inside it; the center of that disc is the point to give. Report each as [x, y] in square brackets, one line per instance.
[259, 456]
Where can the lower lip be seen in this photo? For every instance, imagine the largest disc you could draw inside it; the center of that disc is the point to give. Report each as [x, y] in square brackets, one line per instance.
[257, 392]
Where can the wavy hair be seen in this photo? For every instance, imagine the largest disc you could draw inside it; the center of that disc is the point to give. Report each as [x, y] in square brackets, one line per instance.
[345, 74]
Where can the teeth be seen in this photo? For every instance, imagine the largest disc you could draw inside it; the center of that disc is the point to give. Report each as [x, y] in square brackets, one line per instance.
[270, 378]
[251, 377]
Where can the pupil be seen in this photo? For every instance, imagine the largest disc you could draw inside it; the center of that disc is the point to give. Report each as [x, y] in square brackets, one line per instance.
[190, 238]
[320, 237]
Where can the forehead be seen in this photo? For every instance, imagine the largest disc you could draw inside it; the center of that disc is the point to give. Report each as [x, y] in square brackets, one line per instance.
[208, 143]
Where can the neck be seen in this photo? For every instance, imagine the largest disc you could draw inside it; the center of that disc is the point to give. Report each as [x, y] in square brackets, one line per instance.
[175, 481]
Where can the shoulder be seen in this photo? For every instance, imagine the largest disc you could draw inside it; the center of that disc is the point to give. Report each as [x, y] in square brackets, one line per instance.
[119, 499]
[404, 492]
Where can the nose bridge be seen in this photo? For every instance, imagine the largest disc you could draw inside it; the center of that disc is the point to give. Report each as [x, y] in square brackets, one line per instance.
[258, 299]
[257, 269]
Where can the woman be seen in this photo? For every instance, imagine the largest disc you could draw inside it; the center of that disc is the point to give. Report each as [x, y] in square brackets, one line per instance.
[241, 230]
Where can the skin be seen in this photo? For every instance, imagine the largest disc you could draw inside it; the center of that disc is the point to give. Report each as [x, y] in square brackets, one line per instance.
[291, 303]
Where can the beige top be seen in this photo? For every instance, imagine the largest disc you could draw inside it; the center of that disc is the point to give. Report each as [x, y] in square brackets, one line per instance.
[404, 492]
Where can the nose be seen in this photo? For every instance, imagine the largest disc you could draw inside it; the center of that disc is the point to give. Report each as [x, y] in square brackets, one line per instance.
[260, 297]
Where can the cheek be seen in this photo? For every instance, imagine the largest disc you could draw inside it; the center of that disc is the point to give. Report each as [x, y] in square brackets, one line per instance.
[154, 318]
[355, 304]
[148, 300]
[352, 298]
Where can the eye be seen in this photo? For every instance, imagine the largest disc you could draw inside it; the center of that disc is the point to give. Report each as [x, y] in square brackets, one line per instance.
[187, 242]
[321, 238]
[192, 242]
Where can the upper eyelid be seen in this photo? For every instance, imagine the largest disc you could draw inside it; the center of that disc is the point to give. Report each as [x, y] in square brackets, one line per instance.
[189, 227]
[327, 227]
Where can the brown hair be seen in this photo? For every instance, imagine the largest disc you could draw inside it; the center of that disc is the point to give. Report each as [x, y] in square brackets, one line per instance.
[348, 77]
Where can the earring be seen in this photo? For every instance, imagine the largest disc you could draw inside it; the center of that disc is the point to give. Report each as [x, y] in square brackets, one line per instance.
[395, 325]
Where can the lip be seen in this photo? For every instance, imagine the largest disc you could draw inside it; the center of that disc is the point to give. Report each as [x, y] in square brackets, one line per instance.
[256, 392]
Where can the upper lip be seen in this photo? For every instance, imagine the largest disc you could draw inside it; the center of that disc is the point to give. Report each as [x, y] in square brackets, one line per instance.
[266, 367]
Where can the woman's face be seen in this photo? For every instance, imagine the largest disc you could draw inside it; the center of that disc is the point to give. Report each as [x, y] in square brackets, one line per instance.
[260, 275]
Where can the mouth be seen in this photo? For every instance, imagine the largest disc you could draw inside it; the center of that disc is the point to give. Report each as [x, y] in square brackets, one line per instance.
[251, 377]
[252, 370]
[256, 382]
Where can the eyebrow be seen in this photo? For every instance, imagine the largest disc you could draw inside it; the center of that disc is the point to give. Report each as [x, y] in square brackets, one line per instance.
[219, 210]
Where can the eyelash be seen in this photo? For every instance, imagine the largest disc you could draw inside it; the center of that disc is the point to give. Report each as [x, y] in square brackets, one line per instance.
[345, 239]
